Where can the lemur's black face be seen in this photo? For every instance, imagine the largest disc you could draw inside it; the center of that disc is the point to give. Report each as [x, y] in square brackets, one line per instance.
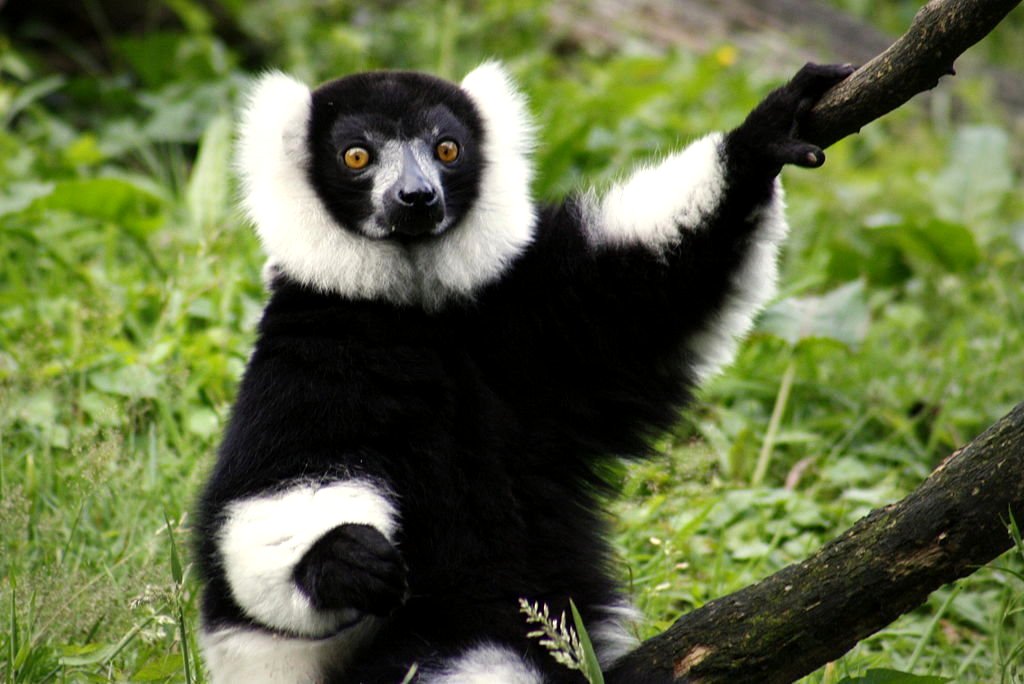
[395, 155]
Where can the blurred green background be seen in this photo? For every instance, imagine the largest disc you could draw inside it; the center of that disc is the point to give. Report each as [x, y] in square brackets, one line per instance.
[129, 290]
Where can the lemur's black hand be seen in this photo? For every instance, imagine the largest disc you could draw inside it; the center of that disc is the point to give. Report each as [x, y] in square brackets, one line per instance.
[353, 566]
[768, 138]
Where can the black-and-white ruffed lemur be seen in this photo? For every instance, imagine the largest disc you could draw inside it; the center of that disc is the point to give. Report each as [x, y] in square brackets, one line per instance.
[444, 365]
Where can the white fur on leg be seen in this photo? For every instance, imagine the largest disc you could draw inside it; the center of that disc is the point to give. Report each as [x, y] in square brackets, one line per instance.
[263, 538]
[236, 655]
[486, 664]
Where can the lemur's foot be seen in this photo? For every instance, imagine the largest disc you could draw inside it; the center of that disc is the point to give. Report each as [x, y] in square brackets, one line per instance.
[353, 566]
[769, 136]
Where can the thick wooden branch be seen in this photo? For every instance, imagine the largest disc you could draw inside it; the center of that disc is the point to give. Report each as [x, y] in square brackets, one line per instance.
[941, 32]
[808, 614]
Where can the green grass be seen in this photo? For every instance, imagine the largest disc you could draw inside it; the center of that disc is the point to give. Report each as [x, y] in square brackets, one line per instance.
[130, 287]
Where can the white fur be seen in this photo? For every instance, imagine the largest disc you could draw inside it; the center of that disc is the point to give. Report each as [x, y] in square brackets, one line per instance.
[237, 655]
[263, 538]
[753, 285]
[654, 203]
[657, 202]
[302, 239]
[500, 224]
[486, 664]
[613, 637]
[297, 232]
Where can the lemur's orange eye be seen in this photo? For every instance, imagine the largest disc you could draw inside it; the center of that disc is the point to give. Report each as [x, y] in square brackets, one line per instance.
[447, 151]
[357, 157]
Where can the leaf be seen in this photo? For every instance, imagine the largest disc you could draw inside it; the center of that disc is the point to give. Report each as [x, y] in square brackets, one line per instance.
[203, 422]
[27, 95]
[101, 409]
[209, 189]
[176, 573]
[882, 676]
[158, 669]
[593, 672]
[978, 176]
[89, 654]
[134, 382]
[952, 245]
[109, 199]
[889, 249]
[19, 196]
[38, 409]
[840, 315]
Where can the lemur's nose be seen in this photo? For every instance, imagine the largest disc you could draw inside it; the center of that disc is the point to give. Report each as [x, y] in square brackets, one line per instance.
[414, 189]
[417, 196]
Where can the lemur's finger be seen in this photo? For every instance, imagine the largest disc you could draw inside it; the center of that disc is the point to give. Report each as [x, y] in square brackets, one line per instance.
[814, 79]
[798, 153]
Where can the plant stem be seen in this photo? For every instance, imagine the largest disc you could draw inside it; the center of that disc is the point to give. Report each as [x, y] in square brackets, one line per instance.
[764, 458]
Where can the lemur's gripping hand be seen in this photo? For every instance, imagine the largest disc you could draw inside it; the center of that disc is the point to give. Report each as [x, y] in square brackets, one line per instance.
[769, 137]
[353, 566]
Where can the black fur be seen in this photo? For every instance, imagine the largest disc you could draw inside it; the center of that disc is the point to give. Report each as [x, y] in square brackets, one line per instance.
[489, 419]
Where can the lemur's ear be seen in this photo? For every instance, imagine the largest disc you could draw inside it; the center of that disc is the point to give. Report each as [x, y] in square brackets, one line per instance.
[272, 146]
[502, 106]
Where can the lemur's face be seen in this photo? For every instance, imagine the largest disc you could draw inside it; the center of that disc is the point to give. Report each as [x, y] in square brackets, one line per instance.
[395, 156]
[389, 185]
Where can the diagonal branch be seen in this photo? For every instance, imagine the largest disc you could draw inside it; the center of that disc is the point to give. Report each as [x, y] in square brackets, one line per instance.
[810, 613]
[941, 32]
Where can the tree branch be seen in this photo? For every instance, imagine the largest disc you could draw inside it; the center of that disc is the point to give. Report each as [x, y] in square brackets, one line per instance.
[810, 613]
[941, 31]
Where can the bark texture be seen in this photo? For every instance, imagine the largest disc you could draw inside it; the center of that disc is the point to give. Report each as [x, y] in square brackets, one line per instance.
[941, 32]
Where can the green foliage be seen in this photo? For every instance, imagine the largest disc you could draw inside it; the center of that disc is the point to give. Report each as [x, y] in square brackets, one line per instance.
[130, 289]
[879, 676]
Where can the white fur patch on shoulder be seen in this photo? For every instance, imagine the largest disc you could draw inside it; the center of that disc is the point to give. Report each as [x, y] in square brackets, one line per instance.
[263, 538]
[656, 202]
[753, 286]
[653, 205]
[297, 231]
[486, 664]
[236, 655]
[500, 225]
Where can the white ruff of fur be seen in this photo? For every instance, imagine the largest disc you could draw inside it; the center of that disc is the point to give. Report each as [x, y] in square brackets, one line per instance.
[500, 224]
[654, 204]
[302, 240]
[264, 538]
[485, 664]
[298, 233]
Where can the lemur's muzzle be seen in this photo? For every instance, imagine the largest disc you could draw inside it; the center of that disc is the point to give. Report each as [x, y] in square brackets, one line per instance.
[415, 205]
